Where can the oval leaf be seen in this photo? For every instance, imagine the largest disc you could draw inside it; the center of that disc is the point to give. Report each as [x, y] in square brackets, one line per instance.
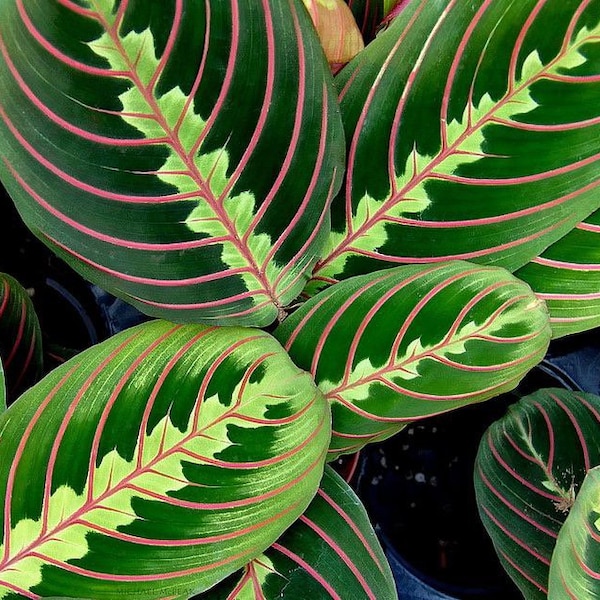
[405, 343]
[182, 155]
[574, 572]
[20, 337]
[330, 552]
[567, 277]
[529, 467]
[156, 463]
[472, 132]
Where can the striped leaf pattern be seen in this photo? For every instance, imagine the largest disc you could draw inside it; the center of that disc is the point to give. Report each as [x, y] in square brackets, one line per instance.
[567, 277]
[20, 337]
[369, 14]
[330, 552]
[408, 342]
[180, 154]
[574, 570]
[528, 470]
[156, 463]
[472, 133]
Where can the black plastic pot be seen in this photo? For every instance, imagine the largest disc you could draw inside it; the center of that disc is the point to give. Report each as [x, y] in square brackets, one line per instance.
[73, 313]
[418, 490]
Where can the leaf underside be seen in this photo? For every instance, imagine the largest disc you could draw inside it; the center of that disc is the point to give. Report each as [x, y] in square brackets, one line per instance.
[181, 155]
[472, 133]
[156, 463]
[409, 342]
[529, 468]
[330, 552]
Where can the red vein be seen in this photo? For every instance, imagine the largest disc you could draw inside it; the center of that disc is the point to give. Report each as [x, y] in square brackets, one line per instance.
[309, 570]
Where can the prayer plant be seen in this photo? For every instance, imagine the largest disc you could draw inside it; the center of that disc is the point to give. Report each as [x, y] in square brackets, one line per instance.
[326, 260]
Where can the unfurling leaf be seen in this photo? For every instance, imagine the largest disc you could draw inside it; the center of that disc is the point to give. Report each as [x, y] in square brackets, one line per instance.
[528, 471]
[156, 464]
[182, 154]
[340, 37]
[408, 342]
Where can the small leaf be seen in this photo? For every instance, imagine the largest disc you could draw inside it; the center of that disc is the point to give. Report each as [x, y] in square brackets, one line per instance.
[472, 133]
[528, 471]
[337, 29]
[567, 277]
[574, 570]
[405, 343]
[156, 463]
[20, 337]
[330, 552]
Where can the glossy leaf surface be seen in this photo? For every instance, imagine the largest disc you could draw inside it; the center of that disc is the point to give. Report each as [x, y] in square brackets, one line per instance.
[180, 154]
[156, 463]
[20, 337]
[473, 132]
[574, 571]
[330, 552]
[567, 277]
[529, 467]
[405, 343]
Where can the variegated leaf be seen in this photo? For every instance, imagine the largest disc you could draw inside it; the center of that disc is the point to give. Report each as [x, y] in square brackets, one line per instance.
[330, 552]
[156, 463]
[20, 337]
[404, 343]
[528, 470]
[180, 154]
[473, 132]
[575, 566]
[567, 277]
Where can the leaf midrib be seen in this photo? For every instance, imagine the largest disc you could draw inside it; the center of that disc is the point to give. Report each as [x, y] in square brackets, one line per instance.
[395, 198]
[193, 171]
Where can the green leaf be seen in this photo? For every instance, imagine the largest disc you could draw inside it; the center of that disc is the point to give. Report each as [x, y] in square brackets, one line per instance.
[330, 552]
[528, 470]
[2, 389]
[567, 277]
[574, 568]
[20, 337]
[369, 15]
[156, 463]
[181, 155]
[404, 343]
[472, 133]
